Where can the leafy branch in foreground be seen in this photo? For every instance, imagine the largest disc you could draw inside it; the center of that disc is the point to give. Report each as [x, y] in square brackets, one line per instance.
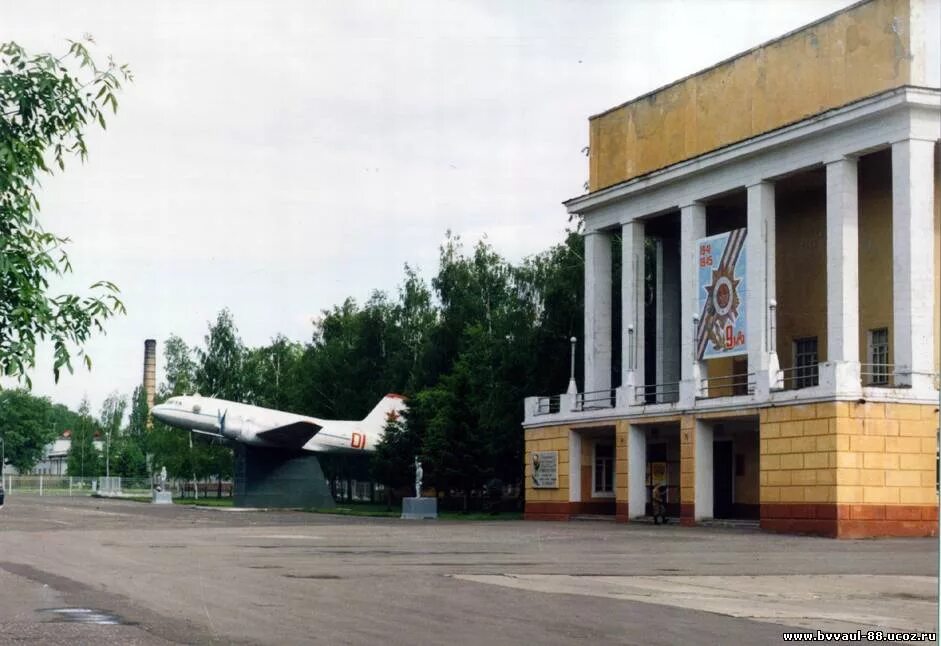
[46, 104]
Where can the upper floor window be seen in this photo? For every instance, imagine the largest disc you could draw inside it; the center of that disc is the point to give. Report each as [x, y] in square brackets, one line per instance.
[805, 362]
[879, 356]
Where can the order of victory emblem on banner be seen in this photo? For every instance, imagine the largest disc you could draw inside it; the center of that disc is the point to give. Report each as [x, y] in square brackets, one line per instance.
[722, 292]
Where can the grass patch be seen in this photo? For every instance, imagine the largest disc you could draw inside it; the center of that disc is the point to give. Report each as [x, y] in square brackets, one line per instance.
[204, 502]
[379, 510]
[365, 509]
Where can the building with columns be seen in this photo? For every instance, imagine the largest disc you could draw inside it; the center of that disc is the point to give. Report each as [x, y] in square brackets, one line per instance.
[762, 291]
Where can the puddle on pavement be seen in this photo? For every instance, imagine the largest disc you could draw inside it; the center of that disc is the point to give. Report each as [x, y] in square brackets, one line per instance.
[84, 616]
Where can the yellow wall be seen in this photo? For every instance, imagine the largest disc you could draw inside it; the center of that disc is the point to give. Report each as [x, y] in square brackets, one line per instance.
[746, 485]
[620, 460]
[849, 453]
[551, 438]
[801, 266]
[875, 248]
[849, 56]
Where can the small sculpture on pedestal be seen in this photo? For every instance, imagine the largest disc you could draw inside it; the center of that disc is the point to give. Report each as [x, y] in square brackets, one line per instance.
[419, 507]
[418, 476]
[160, 495]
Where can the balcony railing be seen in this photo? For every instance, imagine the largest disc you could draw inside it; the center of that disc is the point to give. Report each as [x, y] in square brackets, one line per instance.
[800, 377]
[878, 375]
[548, 405]
[665, 393]
[729, 385]
[595, 399]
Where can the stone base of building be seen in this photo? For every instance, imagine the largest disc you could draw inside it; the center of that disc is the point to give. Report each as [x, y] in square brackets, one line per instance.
[850, 521]
[566, 510]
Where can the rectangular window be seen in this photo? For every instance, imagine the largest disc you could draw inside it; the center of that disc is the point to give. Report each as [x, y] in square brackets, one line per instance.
[604, 468]
[805, 362]
[879, 357]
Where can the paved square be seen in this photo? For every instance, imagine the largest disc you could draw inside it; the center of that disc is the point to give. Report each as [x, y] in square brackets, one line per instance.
[173, 574]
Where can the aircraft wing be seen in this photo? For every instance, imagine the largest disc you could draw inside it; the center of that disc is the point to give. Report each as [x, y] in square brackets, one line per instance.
[291, 436]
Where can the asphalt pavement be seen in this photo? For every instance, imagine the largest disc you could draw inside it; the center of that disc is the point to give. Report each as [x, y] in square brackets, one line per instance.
[93, 571]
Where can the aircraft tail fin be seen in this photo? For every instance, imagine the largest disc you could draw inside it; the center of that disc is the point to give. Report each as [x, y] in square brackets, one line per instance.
[390, 406]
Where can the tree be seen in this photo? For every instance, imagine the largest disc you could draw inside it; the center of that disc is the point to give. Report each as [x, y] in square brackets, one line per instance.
[111, 418]
[25, 428]
[84, 458]
[219, 371]
[137, 421]
[179, 366]
[46, 103]
[392, 464]
[270, 374]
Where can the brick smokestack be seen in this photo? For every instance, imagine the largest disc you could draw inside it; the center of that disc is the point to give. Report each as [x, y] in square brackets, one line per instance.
[150, 375]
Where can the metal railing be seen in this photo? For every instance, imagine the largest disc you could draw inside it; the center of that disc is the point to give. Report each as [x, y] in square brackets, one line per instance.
[800, 377]
[50, 485]
[665, 393]
[548, 405]
[728, 385]
[886, 375]
[595, 399]
[878, 375]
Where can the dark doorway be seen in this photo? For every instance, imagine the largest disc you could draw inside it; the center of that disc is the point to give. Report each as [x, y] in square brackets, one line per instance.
[722, 465]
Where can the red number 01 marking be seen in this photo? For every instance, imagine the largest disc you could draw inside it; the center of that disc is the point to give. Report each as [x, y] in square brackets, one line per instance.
[358, 441]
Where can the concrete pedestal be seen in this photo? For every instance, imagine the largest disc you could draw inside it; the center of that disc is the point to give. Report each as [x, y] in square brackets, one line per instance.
[162, 498]
[419, 508]
[279, 478]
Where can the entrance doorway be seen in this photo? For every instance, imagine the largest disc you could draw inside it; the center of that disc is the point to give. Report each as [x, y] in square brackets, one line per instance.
[735, 470]
[722, 479]
[653, 459]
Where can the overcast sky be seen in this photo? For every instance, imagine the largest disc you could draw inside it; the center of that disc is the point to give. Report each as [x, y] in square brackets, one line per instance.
[276, 157]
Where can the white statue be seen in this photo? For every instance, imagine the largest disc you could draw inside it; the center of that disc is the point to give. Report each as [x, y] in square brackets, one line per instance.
[163, 478]
[418, 475]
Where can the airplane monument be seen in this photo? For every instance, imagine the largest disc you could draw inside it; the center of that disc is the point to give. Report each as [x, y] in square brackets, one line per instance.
[276, 461]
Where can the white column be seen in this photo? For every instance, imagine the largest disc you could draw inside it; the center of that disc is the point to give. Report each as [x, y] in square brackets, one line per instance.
[636, 471]
[597, 311]
[692, 371]
[575, 466]
[842, 365]
[632, 306]
[913, 261]
[759, 274]
[703, 495]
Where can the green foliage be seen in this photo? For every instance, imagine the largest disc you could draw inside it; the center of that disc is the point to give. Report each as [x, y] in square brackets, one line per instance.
[84, 459]
[219, 369]
[127, 457]
[393, 462]
[270, 374]
[466, 350]
[137, 422]
[25, 427]
[180, 368]
[46, 103]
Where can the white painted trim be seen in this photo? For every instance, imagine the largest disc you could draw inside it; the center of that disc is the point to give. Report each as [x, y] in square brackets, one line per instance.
[865, 125]
[704, 497]
[575, 466]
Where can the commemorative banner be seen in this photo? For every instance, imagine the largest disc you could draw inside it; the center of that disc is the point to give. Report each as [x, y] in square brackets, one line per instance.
[722, 290]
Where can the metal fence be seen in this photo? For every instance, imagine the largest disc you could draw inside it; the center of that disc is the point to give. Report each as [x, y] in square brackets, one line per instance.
[48, 485]
[51, 485]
